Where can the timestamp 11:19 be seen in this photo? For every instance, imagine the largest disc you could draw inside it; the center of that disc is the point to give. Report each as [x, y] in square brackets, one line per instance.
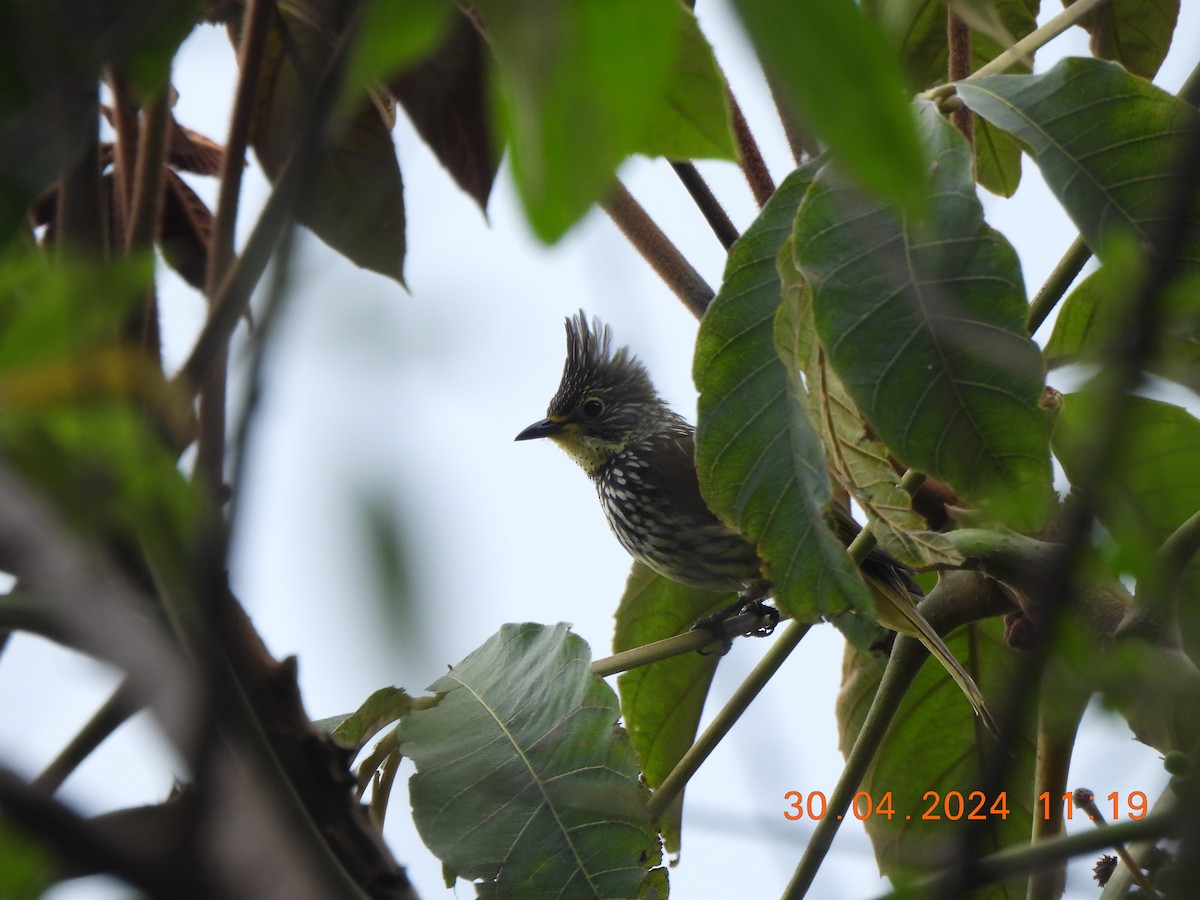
[1128, 806]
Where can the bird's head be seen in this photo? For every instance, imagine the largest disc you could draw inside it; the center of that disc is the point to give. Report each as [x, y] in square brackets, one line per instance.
[604, 401]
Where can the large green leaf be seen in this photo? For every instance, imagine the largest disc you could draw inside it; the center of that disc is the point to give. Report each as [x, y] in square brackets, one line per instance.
[583, 85]
[758, 458]
[918, 28]
[924, 324]
[1109, 144]
[935, 746]
[661, 703]
[1135, 33]
[524, 779]
[834, 64]
[856, 459]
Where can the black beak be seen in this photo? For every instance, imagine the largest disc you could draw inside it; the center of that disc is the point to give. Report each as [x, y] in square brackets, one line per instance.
[541, 429]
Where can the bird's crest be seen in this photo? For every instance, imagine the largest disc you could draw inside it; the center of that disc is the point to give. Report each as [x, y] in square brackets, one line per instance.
[593, 365]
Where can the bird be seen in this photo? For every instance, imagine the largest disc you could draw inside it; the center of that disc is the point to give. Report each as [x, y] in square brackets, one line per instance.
[640, 455]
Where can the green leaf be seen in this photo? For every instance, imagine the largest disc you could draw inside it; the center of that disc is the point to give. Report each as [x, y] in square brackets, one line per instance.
[924, 324]
[524, 779]
[1109, 145]
[583, 85]
[382, 708]
[935, 745]
[353, 197]
[698, 123]
[1135, 33]
[918, 29]
[661, 703]
[856, 459]
[834, 64]
[760, 463]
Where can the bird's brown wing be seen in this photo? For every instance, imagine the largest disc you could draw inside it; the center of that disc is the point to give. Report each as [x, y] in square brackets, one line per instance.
[674, 469]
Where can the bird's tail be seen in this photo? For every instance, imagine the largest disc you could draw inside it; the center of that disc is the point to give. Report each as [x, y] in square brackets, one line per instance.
[894, 609]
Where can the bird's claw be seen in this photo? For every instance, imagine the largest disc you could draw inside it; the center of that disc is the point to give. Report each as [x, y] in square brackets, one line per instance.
[721, 623]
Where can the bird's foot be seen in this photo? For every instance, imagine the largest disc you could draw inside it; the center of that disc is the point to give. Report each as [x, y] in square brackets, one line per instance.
[749, 618]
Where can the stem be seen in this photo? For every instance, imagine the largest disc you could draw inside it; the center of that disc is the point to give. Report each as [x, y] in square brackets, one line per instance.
[716, 217]
[678, 777]
[116, 710]
[210, 446]
[79, 220]
[125, 124]
[1024, 47]
[656, 248]
[908, 655]
[754, 167]
[958, 37]
[146, 205]
[1056, 285]
[1055, 743]
[229, 304]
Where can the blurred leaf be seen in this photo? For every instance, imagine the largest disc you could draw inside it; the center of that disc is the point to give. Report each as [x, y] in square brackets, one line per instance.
[353, 197]
[51, 307]
[1153, 483]
[1099, 311]
[759, 460]
[27, 868]
[1109, 144]
[1135, 33]
[924, 324]
[524, 779]
[661, 703]
[390, 38]
[936, 746]
[858, 461]
[445, 97]
[583, 85]
[106, 472]
[696, 97]
[834, 64]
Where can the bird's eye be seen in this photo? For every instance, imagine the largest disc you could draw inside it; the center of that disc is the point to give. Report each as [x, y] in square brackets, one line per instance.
[592, 407]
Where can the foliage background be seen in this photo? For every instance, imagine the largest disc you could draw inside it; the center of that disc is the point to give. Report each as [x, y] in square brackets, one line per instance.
[392, 416]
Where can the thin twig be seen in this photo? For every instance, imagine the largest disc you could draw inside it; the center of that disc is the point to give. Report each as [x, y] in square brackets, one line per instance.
[707, 203]
[656, 248]
[704, 745]
[1025, 47]
[210, 445]
[1056, 285]
[116, 710]
[146, 205]
[1085, 800]
[229, 303]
